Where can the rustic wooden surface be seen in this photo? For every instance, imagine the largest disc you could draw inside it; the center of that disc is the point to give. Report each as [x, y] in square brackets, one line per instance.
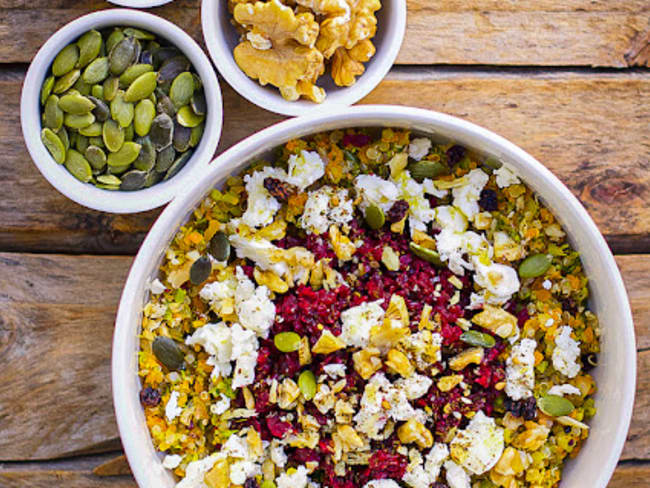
[567, 81]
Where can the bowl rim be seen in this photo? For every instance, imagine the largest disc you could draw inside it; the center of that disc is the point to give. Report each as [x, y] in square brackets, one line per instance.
[84, 193]
[126, 402]
[270, 98]
[139, 3]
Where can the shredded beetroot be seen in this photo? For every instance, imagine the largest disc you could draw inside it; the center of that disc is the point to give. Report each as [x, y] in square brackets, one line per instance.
[277, 427]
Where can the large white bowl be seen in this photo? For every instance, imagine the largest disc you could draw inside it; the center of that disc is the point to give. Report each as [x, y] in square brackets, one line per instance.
[139, 3]
[615, 375]
[221, 37]
[84, 193]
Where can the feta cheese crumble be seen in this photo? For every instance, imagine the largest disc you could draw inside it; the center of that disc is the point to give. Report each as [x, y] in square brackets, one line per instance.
[357, 322]
[261, 207]
[157, 287]
[196, 471]
[171, 461]
[305, 169]
[561, 390]
[499, 280]
[456, 476]
[479, 446]
[520, 370]
[298, 479]
[376, 191]
[566, 351]
[415, 386]
[467, 196]
[172, 410]
[325, 207]
[335, 370]
[381, 484]
[505, 177]
[255, 309]
[419, 148]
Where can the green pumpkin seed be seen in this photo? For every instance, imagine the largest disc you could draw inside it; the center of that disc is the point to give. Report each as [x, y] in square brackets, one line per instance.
[197, 134]
[82, 87]
[426, 169]
[145, 112]
[111, 87]
[121, 110]
[97, 91]
[307, 384]
[90, 45]
[535, 265]
[118, 170]
[109, 180]
[147, 157]
[168, 352]
[102, 186]
[165, 159]
[182, 89]
[555, 405]
[126, 155]
[375, 217]
[81, 143]
[93, 130]
[187, 118]
[171, 68]
[200, 270]
[53, 115]
[54, 145]
[182, 136]
[101, 110]
[133, 72]
[476, 338]
[113, 135]
[122, 56]
[287, 341]
[138, 34]
[78, 121]
[165, 105]
[77, 165]
[152, 178]
[133, 180]
[198, 82]
[66, 81]
[141, 88]
[97, 141]
[163, 53]
[63, 135]
[426, 254]
[198, 103]
[96, 157]
[97, 71]
[113, 39]
[162, 131]
[76, 103]
[66, 60]
[129, 133]
[46, 90]
[219, 247]
[178, 165]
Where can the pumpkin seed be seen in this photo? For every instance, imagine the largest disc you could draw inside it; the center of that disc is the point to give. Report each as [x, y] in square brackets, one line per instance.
[141, 88]
[162, 131]
[307, 384]
[133, 180]
[113, 135]
[109, 180]
[53, 115]
[145, 112]
[66, 81]
[133, 72]
[219, 247]
[93, 130]
[421, 170]
[535, 265]
[90, 44]
[147, 157]
[97, 71]
[113, 39]
[162, 54]
[171, 68]
[182, 89]
[198, 103]
[54, 145]
[165, 104]
[178, 165]
[75, 103]
[476, 338]
[63, 135]
[97, 91]
[426, 254]
[122, 111]
[46, 90]
[126, 155]
[96, 141]
[152, 178]
[197, 133]
[287, 341]
[129, 133]
[118, 170]
[375, 217]
[111, 87]
[200, 270]
[102, 186]
[77, 165]
[95, 156]
[182, 136]
[101, 110]
[146, 58]
[198, 82]
[138, 34]
[555, 405]
[168, 352]
[81, 143]
[165, 159]
[122, 56]
[66, 60]
[187, 118]
[82, 87]
[78, 121]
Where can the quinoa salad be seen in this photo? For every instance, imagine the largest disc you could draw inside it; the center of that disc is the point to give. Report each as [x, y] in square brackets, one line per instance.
[368, 308]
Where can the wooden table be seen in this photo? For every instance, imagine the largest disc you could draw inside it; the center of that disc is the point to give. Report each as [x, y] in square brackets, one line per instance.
[567, 81]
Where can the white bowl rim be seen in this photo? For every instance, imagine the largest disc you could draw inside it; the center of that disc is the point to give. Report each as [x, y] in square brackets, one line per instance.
[261, 96]
[140, 3]
[86, 194]
[125, 401]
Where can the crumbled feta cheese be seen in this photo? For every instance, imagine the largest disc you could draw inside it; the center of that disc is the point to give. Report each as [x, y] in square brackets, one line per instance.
[236, 446]
[415, 386]
[335, 370]
[261, 207]
[467, 196]
[416, 477]
[500, 280]
[381, 484]
[431, 189]
[220, 406]
[451, 218]
[452, 246]
[437, 455]
[172, 410]
[305, 169]
[566, 351]
[172, 461]
[457, 477]
[420, 211]
[157, 287]
[278, 456]
[505, 177]
[258, 41]
[520, 370]
[196, 471]
[244, 351]
[215, 339]
[547, 285]
[419, 148]
[506, 247]
[298, 479]
[479, 446]
[422, 474]
[357, 322]
[566, 389]
[255, 309]
[424, 348]
[220, 295]
[320, 211]
[240, 471]
[376, 191]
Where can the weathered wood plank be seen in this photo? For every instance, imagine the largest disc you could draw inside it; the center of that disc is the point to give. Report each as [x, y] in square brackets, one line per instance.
[592, 131]
[544, 33]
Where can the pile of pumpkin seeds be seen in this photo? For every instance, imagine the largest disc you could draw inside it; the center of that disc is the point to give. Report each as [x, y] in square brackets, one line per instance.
[122, 109]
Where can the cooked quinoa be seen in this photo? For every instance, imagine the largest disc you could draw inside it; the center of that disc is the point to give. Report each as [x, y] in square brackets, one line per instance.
[369, 309]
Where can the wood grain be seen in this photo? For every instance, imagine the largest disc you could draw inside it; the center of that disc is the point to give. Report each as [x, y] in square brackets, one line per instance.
[529, 33]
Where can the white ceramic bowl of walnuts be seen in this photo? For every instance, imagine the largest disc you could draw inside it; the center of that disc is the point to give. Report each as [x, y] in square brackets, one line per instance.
[269, 56]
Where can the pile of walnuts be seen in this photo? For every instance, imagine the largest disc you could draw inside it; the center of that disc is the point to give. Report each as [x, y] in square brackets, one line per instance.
[288, 43]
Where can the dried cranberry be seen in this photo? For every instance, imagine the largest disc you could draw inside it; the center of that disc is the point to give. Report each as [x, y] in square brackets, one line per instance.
[278, 188]
[150, 397]
[455, 154]
[277, 427]
[488, 200]
[385, 465]
[357, 140]
[251, 483]
[529, 408]
[513, 406]
[398, 211]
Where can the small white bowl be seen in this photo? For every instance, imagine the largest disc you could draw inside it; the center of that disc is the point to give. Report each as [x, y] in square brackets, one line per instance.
[86, 194]
[615, 375]
[221, 37]
[139, 3]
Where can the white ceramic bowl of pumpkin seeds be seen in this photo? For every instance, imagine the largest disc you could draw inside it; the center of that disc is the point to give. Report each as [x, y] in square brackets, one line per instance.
[121, 110]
